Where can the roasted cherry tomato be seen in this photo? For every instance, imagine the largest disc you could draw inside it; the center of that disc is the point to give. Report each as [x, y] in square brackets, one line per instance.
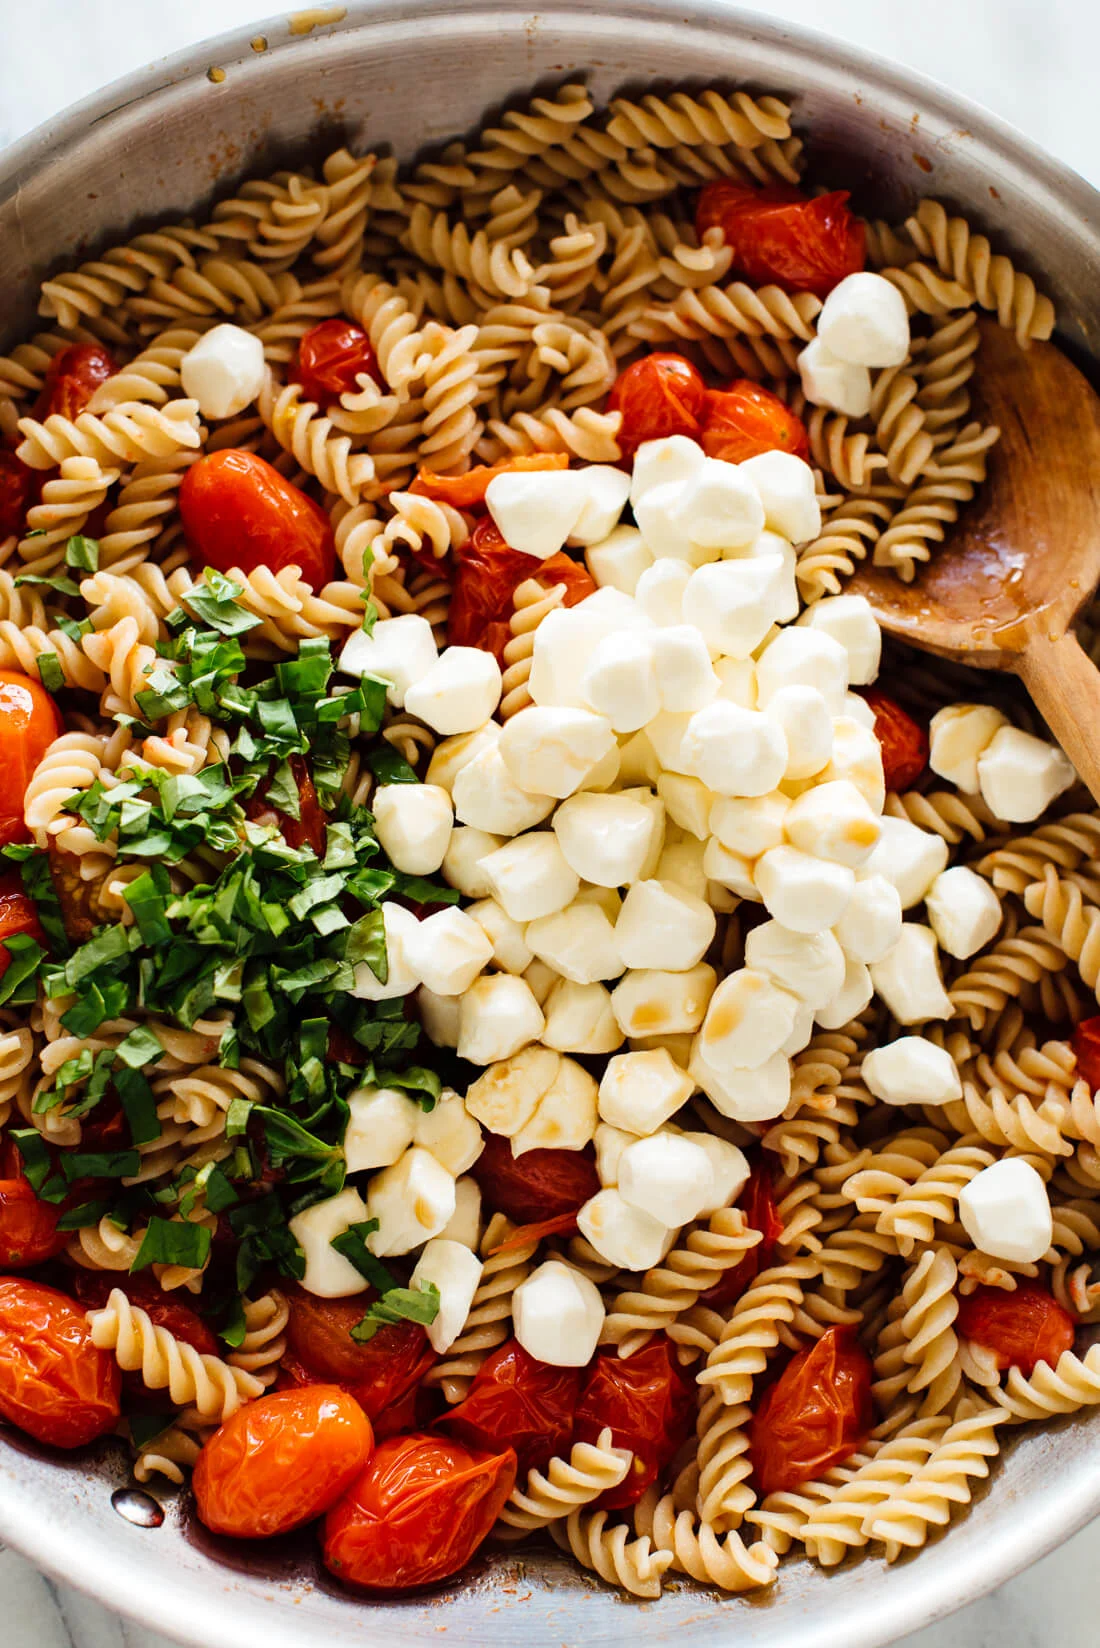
[20, 488]
[538, 1185]
[281, 1461]
[747, 419]
[344, 1049]
[55, 1384]
[17, 915]
[72, 378]
[650, 1407]
[817, 1413]
[904, 743]
[661, 394]
[468, 491]
[308, 829]
[780, 238]
[238, 511]
[1024, 1327]
[757, 1203]
[378, 1373]
[28, 1227]
[487, 575]
[331, 359]
[417, 1513]
[516, 1401]
[1086, 1045]
[29, 723]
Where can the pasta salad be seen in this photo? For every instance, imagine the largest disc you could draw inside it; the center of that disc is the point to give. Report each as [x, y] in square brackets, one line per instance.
[519, 1015]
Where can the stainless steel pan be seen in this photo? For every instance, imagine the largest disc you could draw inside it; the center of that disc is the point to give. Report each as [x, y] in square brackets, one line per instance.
[155, 147]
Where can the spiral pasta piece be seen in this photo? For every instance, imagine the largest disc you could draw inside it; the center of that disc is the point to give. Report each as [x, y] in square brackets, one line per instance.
[962, 1454]
[660, 122]
[992, 280]
[191, 1379]
[672, 1287]
[752, 1331]
[566, 1484]
[68, 498]
[632, 1564]
[1073, 924]
[128, 433]
[261, 1349]
[842, 1523]
[918, 1350]
[698, 1550]
[303, 430]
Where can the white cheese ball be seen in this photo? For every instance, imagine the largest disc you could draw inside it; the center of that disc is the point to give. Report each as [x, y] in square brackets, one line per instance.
[619, 560]
[1019, 775]
[499, 1015]
[802, 891]
[871, 925]
[1005, 1210]
[604, 490]
[807, 726]
[579, 943]
[912, 1071]
[958, 735]
[640, 1092]
[530, 877]
[734, 751]
[621, 681]
[454, 1272]
[505, 1097]
[464, 861]
[829, 381]
[413, 823]
[460, 691]
[660, 591]
[511, 952]
[908, 857]
[746, 1096]
[399, 650]
[864, 321]
[579, 1019]
[666, 1176]
[786, 488]
[909, 980]
[537, 509]
[449, 1133]
[809, 965]
[328, 1275]
[655, 1003]
[733, 604]
[622, 1234]
[448, 951]
[798, 657]
[834, 821]
[399, 926]
[748, 1019]
[224, 371]
[849, 620]
[413, 1201]
[607, 839]
[565, 1116]
[452, 754]
[685, 678]
[964, 911]
[488, 797]
[557, 1315]
[661, 925]
[752, 825]
[550, 751]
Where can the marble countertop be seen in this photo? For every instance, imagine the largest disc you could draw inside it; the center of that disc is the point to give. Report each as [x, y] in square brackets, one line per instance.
[1032, 62]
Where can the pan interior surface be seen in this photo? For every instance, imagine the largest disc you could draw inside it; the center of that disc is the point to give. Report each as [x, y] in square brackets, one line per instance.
[160, 146]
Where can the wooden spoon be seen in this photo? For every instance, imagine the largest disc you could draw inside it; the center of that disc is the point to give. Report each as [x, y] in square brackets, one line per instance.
[1004, 590]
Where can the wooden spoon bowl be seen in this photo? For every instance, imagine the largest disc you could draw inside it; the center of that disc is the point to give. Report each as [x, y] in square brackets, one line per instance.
[1004, 590]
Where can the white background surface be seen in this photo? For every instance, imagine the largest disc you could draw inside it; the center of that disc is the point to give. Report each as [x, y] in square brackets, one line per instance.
[1034, 63]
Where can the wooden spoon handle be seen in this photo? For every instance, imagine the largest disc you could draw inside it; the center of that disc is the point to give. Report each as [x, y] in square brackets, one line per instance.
[1065, 685]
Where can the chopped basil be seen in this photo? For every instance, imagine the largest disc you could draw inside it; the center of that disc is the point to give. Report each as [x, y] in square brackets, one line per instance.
[400, 1304]
[352, 1245]
[63, 586]
[390, 767]
[83, 553]
[37, 1164]
[168, 1242]
[50, 673]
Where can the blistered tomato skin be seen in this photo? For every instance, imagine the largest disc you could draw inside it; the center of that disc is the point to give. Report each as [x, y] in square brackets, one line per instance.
[416, 1514]
[468, 491]
[29, 723]
[650, 1407]
[308, 829]
[1086, 1046]
[780, 238]
[538, 1185]
[72, 378]
[516, 1401]
[660, 395]
[378, 1373]
[20, 488]
[332, 357]
[757, 1203]
[55, 1384]
[746, 419]
[815, 1415]
[17, 915]
[487, 575]
[280, 1461]
[238, 511]
[904, 744]
[28, 1227]
[1022, 1328]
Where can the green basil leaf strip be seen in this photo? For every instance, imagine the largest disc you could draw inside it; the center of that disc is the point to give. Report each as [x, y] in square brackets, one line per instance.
[17, 984]
[146, 1427]
[171, 1242]
[37, 1164]
[140, 1106]
[351, 1244]
[100, 1164]
[419, 1304]
[82, 553]
[141, 1046]
[79, 1218]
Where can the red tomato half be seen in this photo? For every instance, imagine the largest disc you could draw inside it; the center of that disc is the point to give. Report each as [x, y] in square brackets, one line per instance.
[308, 829]
[20, 488]
[28, 1227]
[487, 575]
[238, 511]
[279, 1462]
[1086, 1045]
[1024, 1327]
[417, 1513]
[780, 238]
[332, 357]
[747, 419]
[29, 723]
[904, 743]
[661, 394]
[515, 1401]
[817, 1413]
[757, 1203]
[379, 1373]
[55, 1384]
[17, 915]
[72, 378]
[468, 491]
[538, 1185]
[650, 1406]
